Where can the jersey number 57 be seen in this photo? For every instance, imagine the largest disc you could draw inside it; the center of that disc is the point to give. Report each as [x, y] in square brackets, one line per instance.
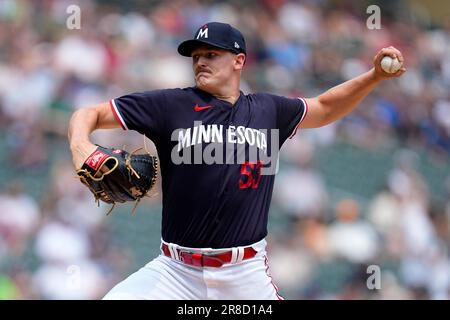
[251, 174]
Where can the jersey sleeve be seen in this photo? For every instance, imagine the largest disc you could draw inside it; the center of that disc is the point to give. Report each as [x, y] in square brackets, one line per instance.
[142, 112]
[290, 113]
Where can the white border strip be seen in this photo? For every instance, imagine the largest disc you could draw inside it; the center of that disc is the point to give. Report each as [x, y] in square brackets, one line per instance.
[305, 104]
[234, 255]
[240, 255]
[117, 113]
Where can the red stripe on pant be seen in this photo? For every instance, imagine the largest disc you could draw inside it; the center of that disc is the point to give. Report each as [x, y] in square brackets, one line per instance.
[266, 262]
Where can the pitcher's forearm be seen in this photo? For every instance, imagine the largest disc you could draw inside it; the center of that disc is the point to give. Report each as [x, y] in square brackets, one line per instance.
[82, 123]
[342, 99]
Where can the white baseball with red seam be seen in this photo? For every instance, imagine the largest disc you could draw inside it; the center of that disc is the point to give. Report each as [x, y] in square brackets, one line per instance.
[390, 65]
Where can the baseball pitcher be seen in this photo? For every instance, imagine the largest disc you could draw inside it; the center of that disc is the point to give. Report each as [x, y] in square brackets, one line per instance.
[215, 147]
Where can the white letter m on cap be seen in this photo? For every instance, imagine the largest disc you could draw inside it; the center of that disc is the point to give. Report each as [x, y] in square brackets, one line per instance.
[203, 33]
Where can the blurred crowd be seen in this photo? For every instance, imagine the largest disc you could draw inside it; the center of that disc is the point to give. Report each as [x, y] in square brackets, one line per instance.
[56, 244]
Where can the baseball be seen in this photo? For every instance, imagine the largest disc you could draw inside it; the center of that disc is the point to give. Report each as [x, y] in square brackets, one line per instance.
[390, 65]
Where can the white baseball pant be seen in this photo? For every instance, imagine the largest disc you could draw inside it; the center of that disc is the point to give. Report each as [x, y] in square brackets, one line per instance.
[166, 278]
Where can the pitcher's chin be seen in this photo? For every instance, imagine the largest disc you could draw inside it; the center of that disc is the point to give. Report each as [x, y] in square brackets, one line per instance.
[203, 83]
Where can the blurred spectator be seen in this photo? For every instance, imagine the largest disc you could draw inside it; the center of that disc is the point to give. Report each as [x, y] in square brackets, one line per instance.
[300, 190]
[62, 281]
[19, 216]
[351, 237]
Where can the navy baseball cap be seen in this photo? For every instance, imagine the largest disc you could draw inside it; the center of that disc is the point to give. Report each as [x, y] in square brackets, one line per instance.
[216, 34]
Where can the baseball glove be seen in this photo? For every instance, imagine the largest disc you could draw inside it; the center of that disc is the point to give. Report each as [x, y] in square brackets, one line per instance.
[114, 175]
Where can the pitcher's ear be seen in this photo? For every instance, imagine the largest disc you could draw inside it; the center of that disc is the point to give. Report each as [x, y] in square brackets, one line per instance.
[239, 61]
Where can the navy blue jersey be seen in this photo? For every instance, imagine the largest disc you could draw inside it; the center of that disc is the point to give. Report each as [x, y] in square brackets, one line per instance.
[212, 204]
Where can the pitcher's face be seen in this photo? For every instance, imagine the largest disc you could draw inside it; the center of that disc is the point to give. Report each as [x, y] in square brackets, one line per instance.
[213, 67]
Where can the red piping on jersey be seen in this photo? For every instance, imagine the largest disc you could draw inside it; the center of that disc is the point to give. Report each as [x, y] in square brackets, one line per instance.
[116, 115]
[303, 117]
